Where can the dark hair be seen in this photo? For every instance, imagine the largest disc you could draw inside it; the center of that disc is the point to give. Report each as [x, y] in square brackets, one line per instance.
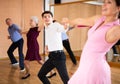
[7, 19]
[118, 4]
[54, 21]
[47, 12]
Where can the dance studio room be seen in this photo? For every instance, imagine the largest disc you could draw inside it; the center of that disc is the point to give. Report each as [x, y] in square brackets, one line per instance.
[48, 42]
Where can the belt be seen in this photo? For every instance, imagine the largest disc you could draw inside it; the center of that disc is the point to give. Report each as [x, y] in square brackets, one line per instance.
[57, 51]
[65, 40]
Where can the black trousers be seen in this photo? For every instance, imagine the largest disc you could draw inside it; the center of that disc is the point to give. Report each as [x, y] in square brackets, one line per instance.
[19, 45]
[56, 60]
[66, 45]
[114, 48]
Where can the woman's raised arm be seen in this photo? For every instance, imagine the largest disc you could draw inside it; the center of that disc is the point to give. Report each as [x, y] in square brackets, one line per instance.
[84, 22]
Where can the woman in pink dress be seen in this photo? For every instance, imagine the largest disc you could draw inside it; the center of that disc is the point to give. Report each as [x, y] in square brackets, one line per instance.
[104, 33]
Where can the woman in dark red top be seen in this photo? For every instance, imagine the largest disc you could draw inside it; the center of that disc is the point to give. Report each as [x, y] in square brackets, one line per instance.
[32, 46]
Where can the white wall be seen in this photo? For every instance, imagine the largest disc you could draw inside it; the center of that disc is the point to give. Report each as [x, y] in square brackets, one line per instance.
[47, 5]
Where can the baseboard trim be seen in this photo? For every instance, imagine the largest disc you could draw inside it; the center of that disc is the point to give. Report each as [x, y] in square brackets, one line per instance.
[77, 56]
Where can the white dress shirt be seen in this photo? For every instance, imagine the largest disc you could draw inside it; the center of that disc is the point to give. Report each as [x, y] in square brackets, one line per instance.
[53, 36]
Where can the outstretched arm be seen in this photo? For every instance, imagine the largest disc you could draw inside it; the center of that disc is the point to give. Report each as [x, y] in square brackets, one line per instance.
[41, 27]
[24, 32]
[84, 22]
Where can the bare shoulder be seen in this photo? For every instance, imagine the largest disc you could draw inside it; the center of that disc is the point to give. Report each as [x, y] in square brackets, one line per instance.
[115, 28]
[40, 27]
[116, 31]
[113, 33]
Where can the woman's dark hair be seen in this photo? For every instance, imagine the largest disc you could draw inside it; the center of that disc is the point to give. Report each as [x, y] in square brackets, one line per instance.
[118, 4]
[47, 12]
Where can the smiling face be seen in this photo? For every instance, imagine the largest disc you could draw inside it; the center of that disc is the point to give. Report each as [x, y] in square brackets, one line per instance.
[32, 23]
[110, 8]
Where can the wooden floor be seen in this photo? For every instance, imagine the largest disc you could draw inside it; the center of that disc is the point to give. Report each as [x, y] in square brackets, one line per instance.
[10, 75]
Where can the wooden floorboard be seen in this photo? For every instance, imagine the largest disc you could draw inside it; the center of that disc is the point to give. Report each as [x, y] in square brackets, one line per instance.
[10, 75]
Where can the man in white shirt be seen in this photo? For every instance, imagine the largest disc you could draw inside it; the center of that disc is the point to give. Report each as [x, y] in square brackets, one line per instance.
[54, 46]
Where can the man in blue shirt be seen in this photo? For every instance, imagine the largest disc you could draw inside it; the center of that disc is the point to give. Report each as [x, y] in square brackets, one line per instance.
[17, 42]
[66, 45]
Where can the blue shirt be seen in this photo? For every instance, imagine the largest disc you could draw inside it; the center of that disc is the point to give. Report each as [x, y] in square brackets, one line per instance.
[64, 36]
[14, 32]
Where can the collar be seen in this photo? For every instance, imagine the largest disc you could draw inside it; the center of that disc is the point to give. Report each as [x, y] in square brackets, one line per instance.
[48, 25]
[11, 25]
